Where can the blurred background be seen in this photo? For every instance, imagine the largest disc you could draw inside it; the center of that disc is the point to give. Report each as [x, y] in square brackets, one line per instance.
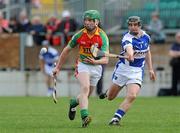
[25, 24]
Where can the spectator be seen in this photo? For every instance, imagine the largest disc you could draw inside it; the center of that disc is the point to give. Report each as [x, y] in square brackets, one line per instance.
[37, 30]
[2, 4]
[4, 24]
[13, 25]
[36, 3]
[51, 27]
[175, 64]
[68, 25]
[155, 29]
[23, 23]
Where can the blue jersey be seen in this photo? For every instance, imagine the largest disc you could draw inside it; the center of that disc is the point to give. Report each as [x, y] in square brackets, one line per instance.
[50, 56]
[140, 46]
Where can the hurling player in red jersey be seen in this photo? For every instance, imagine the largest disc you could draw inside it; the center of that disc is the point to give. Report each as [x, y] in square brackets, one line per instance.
[88, 70]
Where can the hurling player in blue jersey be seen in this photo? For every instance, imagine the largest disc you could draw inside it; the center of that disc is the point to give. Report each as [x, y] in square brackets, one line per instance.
[47, 61]
[129, 72]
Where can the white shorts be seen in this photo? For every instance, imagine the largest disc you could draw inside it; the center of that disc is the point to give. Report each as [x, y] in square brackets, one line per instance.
[95, 72]
[48, 69]
[123, 76]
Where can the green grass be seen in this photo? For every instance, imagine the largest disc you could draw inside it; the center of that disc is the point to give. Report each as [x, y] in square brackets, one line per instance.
[41, 115]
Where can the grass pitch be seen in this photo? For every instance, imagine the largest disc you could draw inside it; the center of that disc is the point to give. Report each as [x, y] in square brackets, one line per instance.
[41, 115]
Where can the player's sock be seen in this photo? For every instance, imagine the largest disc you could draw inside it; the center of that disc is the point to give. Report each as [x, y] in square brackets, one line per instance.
[50, 88]
[50, 91]
[74, 102]
[119, 114]
[84, 113]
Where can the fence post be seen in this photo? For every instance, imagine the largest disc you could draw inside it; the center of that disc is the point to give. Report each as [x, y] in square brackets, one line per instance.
[22, 51]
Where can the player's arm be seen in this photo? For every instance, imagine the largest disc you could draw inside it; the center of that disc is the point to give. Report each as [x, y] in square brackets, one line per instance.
[128, 48]
[130, 53]
[64, 54]
[149, 65]
[62, 57]
[103, 60]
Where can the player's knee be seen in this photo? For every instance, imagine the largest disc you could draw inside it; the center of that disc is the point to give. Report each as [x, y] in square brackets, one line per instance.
[85, 90]
[131, 97]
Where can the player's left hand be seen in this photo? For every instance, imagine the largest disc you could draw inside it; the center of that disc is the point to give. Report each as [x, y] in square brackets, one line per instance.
[90, 60]
[152, 75]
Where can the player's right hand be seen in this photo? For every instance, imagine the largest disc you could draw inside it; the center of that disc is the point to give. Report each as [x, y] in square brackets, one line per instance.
[152, 75]
[55, 72]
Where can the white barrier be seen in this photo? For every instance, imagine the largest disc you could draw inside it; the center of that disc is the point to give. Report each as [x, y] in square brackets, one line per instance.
[15, 83]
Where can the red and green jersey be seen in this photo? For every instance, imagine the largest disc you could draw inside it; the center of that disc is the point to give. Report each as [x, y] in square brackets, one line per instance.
[84, 42]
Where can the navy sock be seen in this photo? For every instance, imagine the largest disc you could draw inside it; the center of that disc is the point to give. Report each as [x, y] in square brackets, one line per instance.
[119, 114]
[49, 88]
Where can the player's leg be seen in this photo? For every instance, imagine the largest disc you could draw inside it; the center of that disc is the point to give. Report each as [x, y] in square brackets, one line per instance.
[116, 86]
[49, 82]
[110, 93]
[49, 79]
[73, 103]
[81, 68]
[82, 98]
[113, 91]
[84, 80]
[95, 72]
[91, 90]
[132, 92]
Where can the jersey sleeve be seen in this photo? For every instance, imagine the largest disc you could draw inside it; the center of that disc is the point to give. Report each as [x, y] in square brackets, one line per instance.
[105, 42]
[73, 42]
[126, 41]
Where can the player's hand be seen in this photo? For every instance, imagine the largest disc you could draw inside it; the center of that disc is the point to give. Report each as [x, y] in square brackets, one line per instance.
[130, 58]
[152, 75]
[90, 60]
[55, 72]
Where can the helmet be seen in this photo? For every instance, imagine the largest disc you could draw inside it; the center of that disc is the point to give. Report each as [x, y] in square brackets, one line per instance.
[134, 19]
[92, 14]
